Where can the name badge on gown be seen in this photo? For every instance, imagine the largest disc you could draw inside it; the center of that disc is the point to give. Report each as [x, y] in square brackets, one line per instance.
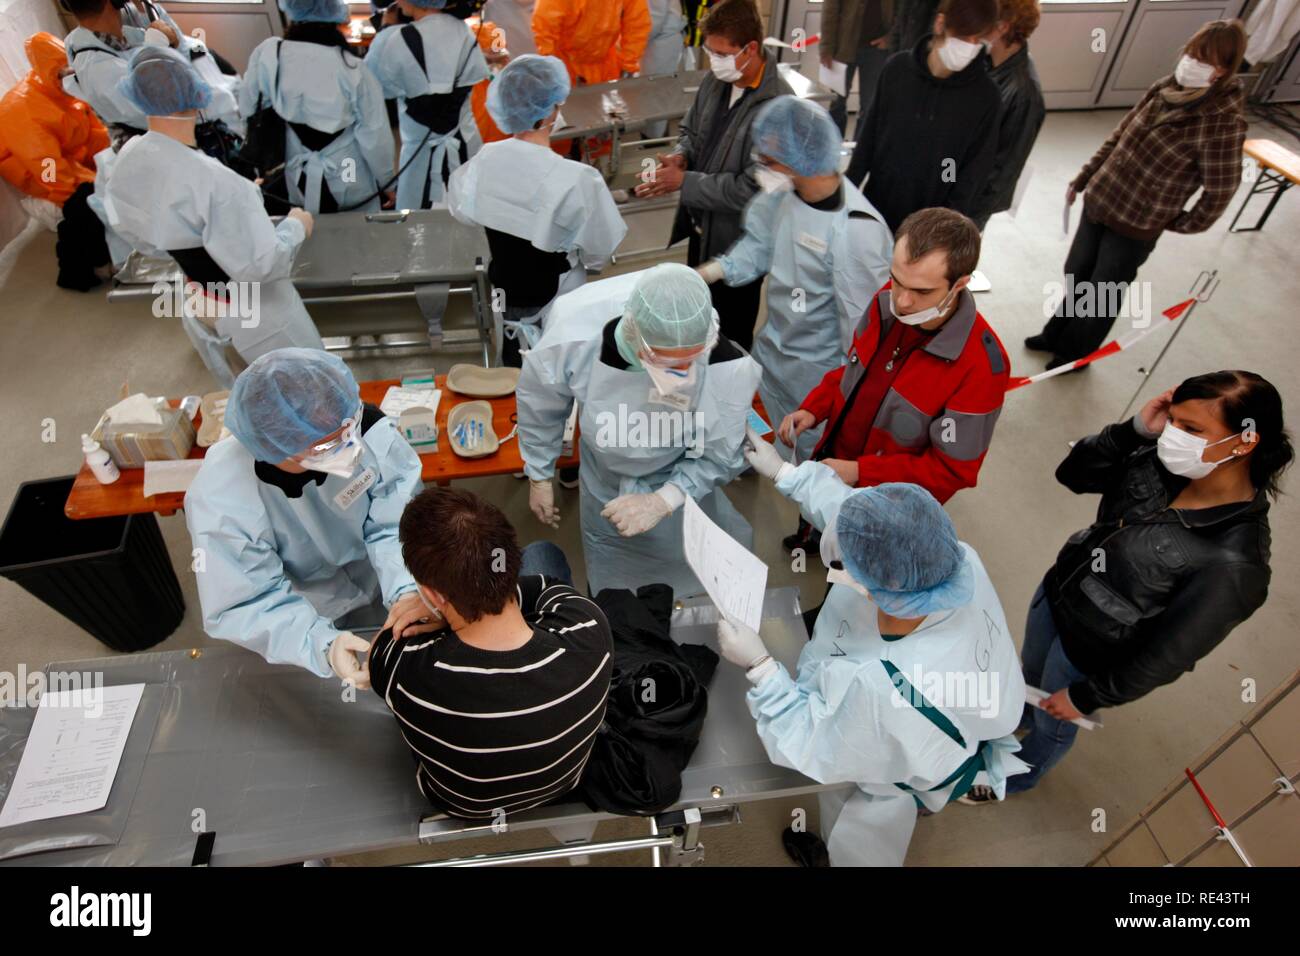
[346, 498]
[674, 400]
[818, 246]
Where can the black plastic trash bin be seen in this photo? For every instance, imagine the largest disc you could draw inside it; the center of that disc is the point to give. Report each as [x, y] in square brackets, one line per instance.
[112, 576]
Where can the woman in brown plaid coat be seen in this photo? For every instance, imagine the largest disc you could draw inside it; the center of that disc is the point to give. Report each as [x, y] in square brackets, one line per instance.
[1184, 135]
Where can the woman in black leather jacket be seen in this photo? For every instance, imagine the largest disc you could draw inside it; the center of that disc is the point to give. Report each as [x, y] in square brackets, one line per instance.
[1177, 557]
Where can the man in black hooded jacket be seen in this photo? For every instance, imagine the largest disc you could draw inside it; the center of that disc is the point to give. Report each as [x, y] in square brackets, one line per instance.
[930, 135]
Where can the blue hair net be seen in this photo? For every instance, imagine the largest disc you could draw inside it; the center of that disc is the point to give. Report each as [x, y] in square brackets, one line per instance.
[428, 4]
[315, 11]
[289, 399]
[526, 91]
[898, 542]
[799, 134]
[671, 308]
[161, 83]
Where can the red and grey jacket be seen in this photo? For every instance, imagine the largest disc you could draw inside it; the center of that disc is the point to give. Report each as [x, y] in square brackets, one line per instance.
[935, 423]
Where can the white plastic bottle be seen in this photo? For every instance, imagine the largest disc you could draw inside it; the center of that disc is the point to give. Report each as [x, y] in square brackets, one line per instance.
[100, 462]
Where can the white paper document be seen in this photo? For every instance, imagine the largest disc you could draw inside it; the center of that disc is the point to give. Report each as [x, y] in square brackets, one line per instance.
[1022, 187]
[1035, 696]
[399, 398]
[834, 76]
[734, 577]
[72, 753]
[164, 476]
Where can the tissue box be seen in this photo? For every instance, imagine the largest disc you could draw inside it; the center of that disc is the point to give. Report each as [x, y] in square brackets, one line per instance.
[130, 446]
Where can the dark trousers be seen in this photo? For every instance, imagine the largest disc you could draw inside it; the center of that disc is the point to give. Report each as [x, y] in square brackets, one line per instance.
[1047, 668]
[867, 68]
[80, 246]
[737, 307]
[1098, 254]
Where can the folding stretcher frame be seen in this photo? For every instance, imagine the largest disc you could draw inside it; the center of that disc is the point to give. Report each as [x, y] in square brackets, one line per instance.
[356, 257]
[279, 765]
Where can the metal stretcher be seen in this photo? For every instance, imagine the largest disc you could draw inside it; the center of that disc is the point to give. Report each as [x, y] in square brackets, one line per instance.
[653, 99]
[279, 768]
[649, 100]
[356, 257]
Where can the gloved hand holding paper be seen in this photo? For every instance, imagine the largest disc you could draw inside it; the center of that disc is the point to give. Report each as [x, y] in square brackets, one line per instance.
[734, 577]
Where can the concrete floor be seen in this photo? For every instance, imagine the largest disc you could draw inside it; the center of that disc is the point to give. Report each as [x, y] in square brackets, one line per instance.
[67, 355]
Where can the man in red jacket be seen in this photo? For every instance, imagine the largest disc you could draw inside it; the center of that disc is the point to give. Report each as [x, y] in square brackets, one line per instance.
[924, 379]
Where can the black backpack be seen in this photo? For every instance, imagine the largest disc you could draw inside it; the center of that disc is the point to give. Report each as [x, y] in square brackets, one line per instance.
[263, 148]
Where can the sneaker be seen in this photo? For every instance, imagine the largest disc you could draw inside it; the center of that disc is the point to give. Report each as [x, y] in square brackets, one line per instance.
[807, 537]
[806, 849]
[978, 796]
[1037, 343]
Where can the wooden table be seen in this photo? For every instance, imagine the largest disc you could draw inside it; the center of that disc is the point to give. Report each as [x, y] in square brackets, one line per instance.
[1279, 170]
[90, 499]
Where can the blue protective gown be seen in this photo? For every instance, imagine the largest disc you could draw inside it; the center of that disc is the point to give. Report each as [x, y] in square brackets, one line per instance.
[98, 69]
[452, 60]
[558, 205]
[329, 90]
[616, 461]
[277, 571]
[822, 269]
[101, 68]
[847, 716]
[162, 195]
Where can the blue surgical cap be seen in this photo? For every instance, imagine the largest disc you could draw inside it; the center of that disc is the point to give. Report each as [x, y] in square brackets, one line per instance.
[799, 134]
[897, 541]
[315, 11]
[428, 4]
[671, 307]
[289, 399]
[526, 91]
[161, 83]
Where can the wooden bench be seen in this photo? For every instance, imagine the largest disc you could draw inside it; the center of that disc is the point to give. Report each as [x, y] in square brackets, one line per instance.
[1279, 170]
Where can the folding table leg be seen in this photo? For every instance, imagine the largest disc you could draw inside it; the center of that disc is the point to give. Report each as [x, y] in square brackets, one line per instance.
[1268, 182]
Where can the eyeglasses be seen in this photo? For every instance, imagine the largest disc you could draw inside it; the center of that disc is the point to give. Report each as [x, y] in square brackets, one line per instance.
[651, 356]
[346, 434]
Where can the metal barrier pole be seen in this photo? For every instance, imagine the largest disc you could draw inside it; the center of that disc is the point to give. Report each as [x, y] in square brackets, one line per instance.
[1201, 290]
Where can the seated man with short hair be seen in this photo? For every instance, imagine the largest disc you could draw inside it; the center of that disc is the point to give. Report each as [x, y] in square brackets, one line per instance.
[501, 696]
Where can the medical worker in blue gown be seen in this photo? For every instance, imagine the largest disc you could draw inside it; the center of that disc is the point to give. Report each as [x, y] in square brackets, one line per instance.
[910, 687]
[429, 66]
[825, 250]
[166, 198]
[548, 219]
[338, 145]
[294, 519]
[663, 401]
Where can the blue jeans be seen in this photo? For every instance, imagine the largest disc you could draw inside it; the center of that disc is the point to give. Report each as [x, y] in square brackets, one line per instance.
[1046, 667]
[546, 558]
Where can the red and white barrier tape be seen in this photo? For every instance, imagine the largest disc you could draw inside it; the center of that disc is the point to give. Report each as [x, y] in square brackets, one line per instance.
[1110, 348]
[807, 42]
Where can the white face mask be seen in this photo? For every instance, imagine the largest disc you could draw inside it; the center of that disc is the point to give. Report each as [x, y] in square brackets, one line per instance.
[770, 181]
[925, 315]
[957, 54]
[427, 603]
[840, 576]
[724, 67]
[340, 460]
[1193, 74]
[1181, 453]
[670, 380]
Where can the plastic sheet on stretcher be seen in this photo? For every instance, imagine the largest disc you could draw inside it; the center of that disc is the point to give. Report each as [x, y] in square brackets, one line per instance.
[276, 763]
